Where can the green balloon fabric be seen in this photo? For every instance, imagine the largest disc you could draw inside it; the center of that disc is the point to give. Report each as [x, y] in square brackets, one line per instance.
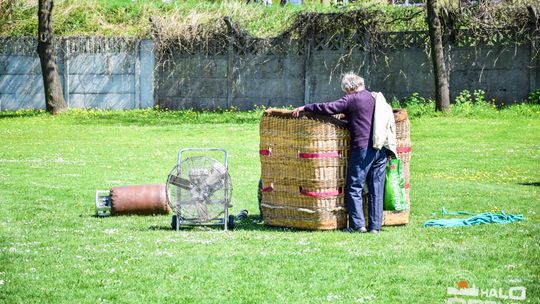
[477, 219]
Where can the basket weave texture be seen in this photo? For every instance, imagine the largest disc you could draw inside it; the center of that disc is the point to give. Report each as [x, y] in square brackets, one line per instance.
[303, 170]
[303, 162]
[403, 143]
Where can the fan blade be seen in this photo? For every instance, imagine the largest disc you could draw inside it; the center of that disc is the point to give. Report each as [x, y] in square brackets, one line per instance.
[180, 182]
[202, 210]
[216, 178]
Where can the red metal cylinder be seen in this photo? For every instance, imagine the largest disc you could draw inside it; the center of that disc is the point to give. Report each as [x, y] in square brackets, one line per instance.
[139, 199]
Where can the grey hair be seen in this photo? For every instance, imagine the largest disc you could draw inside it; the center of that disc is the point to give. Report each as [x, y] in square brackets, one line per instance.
[351, 82]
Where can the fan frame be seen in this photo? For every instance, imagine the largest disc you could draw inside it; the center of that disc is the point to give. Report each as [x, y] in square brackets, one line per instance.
[221, 221]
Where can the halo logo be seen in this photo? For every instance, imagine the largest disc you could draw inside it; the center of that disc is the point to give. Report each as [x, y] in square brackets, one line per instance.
[465, 291]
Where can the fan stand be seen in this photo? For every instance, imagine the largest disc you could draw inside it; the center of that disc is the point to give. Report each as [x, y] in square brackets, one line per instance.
[226, 218]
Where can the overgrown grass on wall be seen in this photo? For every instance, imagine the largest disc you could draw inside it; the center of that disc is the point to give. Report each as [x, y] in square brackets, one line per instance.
[132, 17]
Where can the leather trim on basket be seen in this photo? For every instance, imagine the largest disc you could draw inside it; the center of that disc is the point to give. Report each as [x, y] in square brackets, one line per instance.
[403, 149]
[335, 154]
[268, 189]
[265, 152]
[336, 192]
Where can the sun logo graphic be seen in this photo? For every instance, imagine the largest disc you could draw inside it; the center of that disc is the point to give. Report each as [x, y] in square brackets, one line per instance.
[462, 284]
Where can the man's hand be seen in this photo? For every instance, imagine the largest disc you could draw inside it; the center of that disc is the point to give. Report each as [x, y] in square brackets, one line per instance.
[296, 112]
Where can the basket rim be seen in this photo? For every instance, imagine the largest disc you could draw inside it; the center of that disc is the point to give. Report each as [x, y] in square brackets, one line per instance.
[400, 114]
[284, 113]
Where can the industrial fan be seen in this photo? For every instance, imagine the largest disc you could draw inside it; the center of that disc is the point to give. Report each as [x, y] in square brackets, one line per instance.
[199, 190]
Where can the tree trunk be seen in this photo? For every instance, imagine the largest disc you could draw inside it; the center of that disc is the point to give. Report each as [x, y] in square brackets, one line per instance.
[54, 97]
[442, 91]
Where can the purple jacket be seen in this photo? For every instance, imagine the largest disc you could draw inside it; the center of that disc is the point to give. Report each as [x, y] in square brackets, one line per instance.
[358, 108]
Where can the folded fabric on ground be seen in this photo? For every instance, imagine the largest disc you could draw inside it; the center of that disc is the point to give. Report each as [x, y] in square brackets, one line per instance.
[478, 219]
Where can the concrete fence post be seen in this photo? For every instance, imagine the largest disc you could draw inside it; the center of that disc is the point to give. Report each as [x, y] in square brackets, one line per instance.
[137, 76]
[146, 74]
[230, 68]
[230, 61]
[534, 49]
[534, 82]
[307, 69]
[65, 69]
[534, 61]
[368, 59]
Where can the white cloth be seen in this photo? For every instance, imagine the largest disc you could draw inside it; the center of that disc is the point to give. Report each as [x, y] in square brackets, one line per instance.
[384, 125]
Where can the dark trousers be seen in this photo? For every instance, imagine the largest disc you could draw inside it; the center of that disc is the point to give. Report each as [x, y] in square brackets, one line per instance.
[365, 165]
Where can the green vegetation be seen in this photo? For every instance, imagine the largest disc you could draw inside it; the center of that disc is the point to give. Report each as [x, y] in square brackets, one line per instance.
[465, 106]
[196, 21]
[470, 105]
[132, 17]
[150, 116]
[534, 97]
[53, 250]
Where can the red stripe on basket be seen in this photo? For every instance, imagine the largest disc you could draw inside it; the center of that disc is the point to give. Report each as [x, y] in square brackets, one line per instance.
[403, 149]
[336, 192]
[320, 155]
[265, 152]
[407, 186]
[268, 189]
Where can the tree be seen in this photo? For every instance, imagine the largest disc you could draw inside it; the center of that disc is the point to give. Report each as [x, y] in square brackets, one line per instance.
[442, 91]
[54, 97]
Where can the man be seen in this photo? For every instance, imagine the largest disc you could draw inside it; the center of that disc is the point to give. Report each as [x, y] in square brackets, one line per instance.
[369, 149]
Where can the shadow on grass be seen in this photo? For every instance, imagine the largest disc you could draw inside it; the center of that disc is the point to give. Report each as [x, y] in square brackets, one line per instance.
[186, 227]
[254, 223]
[250, 223]
[534, 184]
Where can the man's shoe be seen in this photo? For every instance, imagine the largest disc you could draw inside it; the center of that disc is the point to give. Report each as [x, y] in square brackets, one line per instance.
[374, 231]
[352, 230]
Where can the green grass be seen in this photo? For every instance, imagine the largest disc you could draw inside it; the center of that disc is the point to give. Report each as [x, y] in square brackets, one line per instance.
[53, 250]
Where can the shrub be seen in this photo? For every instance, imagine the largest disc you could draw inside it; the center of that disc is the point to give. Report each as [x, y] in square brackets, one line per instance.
[534, 97]
[475, 104]
[467, 104]
[418, 106]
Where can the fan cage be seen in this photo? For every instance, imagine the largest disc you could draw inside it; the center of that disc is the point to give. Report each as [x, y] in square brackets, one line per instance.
[199, 190]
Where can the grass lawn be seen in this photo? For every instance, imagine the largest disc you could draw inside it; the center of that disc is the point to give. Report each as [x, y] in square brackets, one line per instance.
[53, 249]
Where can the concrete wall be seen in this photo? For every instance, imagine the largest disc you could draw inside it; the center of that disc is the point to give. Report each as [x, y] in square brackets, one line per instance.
[21, 84]
[276, 81]
[506, 73]
[192, 81]
[113, 73]
[95, 73]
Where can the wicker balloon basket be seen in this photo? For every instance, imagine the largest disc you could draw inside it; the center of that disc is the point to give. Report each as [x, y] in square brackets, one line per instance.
[303, 162]
[303, 165]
